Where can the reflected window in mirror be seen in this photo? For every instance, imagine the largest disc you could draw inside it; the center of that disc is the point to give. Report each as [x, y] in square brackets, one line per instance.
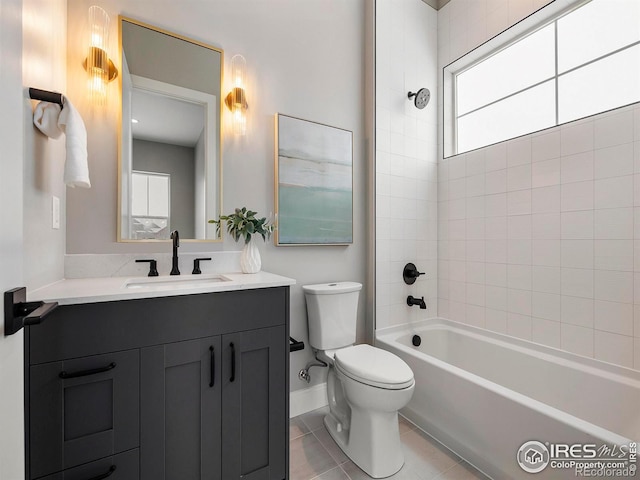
[150, 205]
[169, 135]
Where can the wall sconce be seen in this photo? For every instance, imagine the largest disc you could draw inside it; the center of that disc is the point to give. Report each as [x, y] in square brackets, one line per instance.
[237, 98]
[101, 70]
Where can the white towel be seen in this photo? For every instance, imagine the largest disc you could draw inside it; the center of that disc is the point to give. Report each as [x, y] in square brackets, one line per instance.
[52, 121]
[76, 168]
[45, 117]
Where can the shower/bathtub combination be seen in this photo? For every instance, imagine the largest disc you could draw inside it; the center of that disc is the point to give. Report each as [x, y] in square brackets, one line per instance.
[484, 395]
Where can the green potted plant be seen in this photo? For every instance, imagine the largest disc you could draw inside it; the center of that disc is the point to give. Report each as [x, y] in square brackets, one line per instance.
[243, 223]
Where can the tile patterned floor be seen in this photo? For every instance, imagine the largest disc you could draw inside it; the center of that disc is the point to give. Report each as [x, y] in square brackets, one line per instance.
[314, 455]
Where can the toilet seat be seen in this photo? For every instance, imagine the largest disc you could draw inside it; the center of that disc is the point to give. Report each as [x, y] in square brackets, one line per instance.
[374, 366]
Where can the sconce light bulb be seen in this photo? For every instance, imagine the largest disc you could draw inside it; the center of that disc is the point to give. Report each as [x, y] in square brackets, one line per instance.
[98, 27]
[96, 40]
[238, 70]
[239, 123]
[97, 87]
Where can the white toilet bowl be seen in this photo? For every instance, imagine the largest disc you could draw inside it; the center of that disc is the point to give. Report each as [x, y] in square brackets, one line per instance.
[367, 386]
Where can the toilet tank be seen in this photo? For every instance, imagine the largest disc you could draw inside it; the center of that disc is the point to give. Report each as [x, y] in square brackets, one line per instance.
[332, 311]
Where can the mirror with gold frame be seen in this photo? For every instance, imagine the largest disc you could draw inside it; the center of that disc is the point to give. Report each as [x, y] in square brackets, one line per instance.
[170, 164]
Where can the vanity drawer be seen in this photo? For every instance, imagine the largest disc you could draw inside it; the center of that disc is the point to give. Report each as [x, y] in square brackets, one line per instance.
[94, 328]
[82, 410]
[124, 466]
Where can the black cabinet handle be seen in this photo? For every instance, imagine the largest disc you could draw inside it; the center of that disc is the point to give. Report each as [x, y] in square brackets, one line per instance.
[84, 373]
[212, 377]
[233, 362]
[104, 475]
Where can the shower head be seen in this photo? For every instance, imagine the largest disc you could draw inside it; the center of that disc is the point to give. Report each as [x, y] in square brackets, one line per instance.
[421, 99]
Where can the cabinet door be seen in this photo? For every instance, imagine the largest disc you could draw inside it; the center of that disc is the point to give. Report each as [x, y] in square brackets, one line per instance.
[180, 389]
[254, 405]
[82, 410]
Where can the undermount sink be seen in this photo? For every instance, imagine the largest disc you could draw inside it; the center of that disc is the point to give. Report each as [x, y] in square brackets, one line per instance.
[169, 283]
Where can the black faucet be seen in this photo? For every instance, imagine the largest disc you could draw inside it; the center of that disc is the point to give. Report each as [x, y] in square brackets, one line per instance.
[411, 301]
[174, 261]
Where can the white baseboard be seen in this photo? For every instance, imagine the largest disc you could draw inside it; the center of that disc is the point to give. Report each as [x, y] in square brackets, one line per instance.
[307, 399]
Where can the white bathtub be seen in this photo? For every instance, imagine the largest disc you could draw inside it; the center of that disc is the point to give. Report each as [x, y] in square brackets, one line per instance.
[483, 395]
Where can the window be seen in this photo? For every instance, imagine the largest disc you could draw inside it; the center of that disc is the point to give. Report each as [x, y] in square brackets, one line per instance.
[150, 205]
[553, 67]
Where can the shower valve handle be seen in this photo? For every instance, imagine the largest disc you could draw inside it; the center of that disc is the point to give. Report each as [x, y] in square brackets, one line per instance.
[410, 273]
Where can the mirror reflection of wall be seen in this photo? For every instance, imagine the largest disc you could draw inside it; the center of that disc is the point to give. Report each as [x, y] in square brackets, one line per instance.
[177, 162]
[170, 126]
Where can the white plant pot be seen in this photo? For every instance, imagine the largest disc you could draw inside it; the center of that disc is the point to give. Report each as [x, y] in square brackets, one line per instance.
[250, 261]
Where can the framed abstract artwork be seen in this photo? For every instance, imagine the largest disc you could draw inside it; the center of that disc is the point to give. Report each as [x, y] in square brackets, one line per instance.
[314, 183]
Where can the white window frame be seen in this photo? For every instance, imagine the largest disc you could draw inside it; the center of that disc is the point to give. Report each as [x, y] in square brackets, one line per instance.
[534, 22]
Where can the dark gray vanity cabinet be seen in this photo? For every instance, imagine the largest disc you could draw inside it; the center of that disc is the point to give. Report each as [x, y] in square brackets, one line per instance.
[181, 410]
[170, 388]
[83, 409]
[232, 383]
[252, 428]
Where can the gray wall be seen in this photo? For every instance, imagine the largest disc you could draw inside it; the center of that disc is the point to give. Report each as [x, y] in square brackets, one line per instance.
[294, 67]
[179, 162]
[45, 67]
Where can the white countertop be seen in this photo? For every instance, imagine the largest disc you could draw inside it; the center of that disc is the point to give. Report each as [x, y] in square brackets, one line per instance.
[109, 289]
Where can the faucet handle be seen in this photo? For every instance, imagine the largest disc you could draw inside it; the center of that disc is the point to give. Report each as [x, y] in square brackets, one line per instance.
[196, 265]
[410, 274]
[153, 267]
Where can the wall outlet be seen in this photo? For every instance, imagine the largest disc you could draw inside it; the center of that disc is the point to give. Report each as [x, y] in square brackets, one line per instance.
[55, 212]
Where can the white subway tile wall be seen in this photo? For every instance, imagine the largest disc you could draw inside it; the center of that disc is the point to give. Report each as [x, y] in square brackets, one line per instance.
[558, 218]
[406, 168]
[561, 257]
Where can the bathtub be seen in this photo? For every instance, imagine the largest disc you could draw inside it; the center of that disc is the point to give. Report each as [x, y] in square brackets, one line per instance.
[484, 395]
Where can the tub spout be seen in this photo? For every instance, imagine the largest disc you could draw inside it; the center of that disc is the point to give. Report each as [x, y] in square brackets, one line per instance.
[411, 301]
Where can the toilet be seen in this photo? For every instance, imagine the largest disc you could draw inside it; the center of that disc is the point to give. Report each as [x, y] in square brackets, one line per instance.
[366, 386]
